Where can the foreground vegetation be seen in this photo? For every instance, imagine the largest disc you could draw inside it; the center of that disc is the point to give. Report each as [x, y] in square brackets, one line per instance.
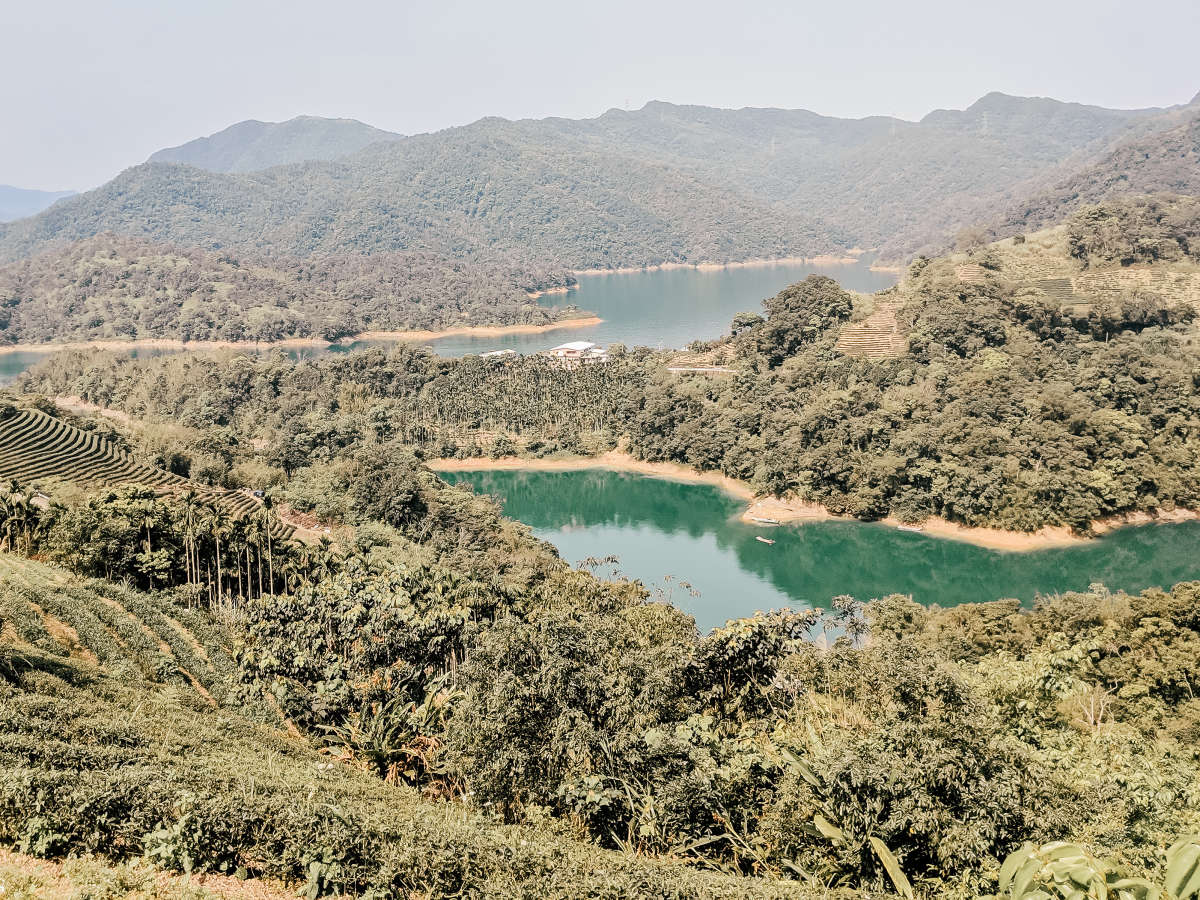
[929, 742]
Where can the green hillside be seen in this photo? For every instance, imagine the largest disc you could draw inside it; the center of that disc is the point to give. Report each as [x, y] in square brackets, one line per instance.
[1032, 382]
[1168, 161]
[115, 288]
[662, 184]
[252, 145]
[38, 451]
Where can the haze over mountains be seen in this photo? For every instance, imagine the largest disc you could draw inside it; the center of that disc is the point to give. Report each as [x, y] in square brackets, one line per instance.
[17, 203]
[665, 183]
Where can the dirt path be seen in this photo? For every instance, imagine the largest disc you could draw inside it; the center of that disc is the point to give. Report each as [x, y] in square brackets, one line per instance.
[65, 636]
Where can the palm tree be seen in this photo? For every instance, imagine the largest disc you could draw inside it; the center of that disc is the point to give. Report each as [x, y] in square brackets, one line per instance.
[218, 527]
[193, 526]
[267, 519]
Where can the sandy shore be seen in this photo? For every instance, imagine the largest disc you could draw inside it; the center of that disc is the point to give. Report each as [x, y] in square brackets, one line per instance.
[714, 267]
[793, 511]
[784, 511]
[474, 330]
[160, 344]
[615, 460]
[564, 289]
[422, 336]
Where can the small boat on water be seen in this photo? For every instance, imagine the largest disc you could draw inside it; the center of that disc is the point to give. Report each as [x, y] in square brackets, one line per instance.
[909, 528]
[763, 521]
[759, 537]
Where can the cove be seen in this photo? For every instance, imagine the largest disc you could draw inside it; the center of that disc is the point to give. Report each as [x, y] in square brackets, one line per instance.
[658, 308]
[692, 533]
[669, 308]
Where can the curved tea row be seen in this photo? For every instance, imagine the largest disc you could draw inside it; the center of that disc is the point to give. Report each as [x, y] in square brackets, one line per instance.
[35, 446]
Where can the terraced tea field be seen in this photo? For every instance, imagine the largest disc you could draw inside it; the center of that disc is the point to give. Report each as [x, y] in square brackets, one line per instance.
[878, 336]
[36, 448]
[116, 631]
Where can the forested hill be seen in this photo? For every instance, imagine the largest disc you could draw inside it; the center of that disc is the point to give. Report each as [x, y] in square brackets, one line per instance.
[1165, 161]
[251, 145]
[665, 183]
[1048, 380]
[109, 287]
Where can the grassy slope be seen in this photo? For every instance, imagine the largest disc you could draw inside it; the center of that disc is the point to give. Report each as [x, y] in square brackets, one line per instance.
[107, 746]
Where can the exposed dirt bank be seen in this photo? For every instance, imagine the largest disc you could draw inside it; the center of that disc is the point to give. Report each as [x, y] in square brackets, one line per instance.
[474, 330]
[713, 267]
[421, 336]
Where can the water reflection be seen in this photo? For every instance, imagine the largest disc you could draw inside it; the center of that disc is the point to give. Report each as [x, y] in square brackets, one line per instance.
[694, 533]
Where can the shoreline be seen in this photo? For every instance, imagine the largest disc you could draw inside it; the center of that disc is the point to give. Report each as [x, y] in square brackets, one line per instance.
[564, 289]
[176, 344]
[820, 260]
[475, 330]
[794, 511]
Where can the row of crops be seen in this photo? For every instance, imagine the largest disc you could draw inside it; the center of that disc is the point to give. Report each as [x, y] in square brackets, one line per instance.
[132, 635]
[37, 448]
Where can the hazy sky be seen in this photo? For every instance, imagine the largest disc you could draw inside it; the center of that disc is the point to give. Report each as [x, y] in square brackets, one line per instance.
[88, 88]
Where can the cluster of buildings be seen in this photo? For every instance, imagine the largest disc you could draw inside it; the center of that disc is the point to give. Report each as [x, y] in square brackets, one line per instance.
[569, 355]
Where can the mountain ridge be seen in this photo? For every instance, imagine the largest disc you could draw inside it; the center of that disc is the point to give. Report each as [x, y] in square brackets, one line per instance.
[251, 144]
[668, 183]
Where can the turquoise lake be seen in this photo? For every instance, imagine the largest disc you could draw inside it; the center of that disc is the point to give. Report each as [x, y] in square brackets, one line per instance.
[693, 534]
[660, 309]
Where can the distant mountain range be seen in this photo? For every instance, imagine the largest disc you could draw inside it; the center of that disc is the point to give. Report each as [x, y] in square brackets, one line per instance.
[252, 145]
[665, 183]
[17, 203]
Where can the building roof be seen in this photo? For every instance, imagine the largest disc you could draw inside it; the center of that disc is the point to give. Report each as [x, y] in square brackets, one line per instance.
[578, 346]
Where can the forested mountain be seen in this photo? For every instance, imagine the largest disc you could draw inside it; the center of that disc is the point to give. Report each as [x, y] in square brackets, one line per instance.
[252, 145]
[1165, 161]
[17, 203]
[110, 287]
[663, 184]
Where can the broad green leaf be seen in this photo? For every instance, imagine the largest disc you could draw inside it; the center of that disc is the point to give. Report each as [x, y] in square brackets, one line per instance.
[1011, 863]
[892, 865]
[828, 829]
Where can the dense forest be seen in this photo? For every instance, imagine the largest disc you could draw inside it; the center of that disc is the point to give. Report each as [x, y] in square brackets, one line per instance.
[111, 287]
[1047, 380]
[514, 725]
[661, 184]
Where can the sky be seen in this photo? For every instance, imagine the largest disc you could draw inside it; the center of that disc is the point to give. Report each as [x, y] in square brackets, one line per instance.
[88, 89]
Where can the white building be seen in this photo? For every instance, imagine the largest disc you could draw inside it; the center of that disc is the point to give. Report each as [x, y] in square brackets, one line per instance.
[578, 352]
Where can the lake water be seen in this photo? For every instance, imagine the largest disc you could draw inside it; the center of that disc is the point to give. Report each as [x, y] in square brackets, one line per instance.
[659, 309]
[668, 308]
[692, 533]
